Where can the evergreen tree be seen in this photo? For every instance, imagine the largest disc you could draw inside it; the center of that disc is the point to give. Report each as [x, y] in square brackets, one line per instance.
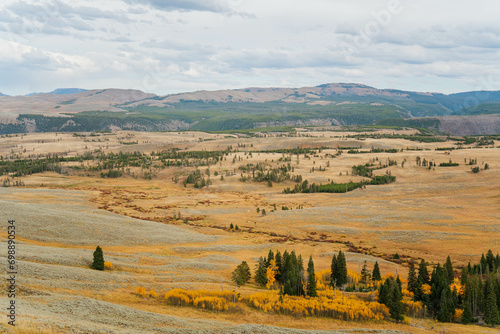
[446, 309]
[490, 261]
[483, 264]
[491, 315]
[270, 257]
[467, 317]
[279, 266]
[396, 303]
[365, 274]
[98, 262]
[383, 292]
[376, 273]
[423, 274]
[260, 276]
[284, 264]
[412, 278]
[463, 275]
[341, 270]
[449, 270]
[311, 280]
[241, 275]
[333, 275]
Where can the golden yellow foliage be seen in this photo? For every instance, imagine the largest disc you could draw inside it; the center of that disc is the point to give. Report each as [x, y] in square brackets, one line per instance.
[457, 316]
[426, 289]
[414, 308]
[108, 265]
[329, 303]
[353, 277]
[141, 291]
[210, 300]
[153, 294]
[270, 274]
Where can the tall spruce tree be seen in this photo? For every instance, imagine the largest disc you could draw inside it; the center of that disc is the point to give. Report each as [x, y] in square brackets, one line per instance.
[423, 274]
[376, 273]
[333, 275]
[449, 270]
[279, 266]
[341, 270]
[98, 262]
[412, 278]
[491, 315]
[260, 276]
[396, 303]
[311, 279]
[365, 274]
[270, 257]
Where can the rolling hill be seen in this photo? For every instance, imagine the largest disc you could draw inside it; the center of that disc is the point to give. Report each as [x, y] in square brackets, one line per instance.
[235, 109]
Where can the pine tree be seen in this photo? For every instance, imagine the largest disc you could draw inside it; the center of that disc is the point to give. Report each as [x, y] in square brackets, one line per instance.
[98, 263]
[412, 278]
[333, 275]
[365, 273]
[231, 226]
[467, 317]
[490, 261]
[463, 275]
[491, 315]
[449, 270]
[241, 275]
[279, 266]
[376, 273]
[311, 280]
[341, 270]
[423, 274]
[396, 303]
[270, 257]
[446, 308]
[260, 272]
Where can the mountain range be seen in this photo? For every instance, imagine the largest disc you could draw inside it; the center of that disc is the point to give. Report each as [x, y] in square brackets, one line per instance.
[329, 104]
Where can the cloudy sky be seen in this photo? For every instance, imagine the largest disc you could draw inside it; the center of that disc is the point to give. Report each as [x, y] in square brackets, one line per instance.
[168, 46]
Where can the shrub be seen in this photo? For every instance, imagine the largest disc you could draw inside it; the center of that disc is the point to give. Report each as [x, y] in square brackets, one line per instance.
[108, 265]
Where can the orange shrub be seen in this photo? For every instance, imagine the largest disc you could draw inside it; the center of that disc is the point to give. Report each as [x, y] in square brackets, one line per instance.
[108, 265]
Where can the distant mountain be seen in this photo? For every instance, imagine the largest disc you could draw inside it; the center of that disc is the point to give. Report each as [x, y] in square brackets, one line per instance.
[61, 91]
[2, 94]
[73, 109]
[64, 91]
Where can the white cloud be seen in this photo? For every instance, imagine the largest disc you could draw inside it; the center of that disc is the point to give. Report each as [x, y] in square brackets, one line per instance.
[173, 45]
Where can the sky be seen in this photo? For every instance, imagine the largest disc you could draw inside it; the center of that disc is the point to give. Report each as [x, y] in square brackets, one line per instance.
[171, 46]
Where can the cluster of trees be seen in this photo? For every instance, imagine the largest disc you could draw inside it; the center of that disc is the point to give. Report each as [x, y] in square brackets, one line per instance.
[332, 187]
[391, 295]
[475, 294]
[261, 173]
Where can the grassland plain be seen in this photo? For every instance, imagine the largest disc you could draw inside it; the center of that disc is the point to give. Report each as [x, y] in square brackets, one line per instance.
[61, 217]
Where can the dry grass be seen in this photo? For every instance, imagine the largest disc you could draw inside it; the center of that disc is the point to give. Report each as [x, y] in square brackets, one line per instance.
[425, 214]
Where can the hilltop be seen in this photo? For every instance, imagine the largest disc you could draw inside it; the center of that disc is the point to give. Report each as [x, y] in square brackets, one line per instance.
[247, 108]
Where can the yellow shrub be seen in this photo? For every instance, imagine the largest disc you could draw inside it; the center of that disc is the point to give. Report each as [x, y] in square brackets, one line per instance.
[210, 300]
[329, 303]
[457, 317]
[153, 294]
[108, 265]
[141, 291]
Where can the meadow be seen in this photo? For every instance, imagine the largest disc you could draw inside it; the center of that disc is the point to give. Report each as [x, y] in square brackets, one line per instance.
[161, 205]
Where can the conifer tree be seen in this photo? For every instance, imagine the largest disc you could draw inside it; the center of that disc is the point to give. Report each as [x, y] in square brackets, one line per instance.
[270, 257]
[98, 262]
[365, 274]
[333, 275]
[467, 317]
[446, 308]
[449, 270]
[491, 315]
[412, 278]
[311, 279]
[376, 273]
[279, 266]
[341, 270]
[396, 303]
[241, 275]
[423, 274]
[260, 276]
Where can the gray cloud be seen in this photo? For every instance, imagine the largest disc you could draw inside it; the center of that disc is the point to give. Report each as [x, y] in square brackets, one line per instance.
[216, 6]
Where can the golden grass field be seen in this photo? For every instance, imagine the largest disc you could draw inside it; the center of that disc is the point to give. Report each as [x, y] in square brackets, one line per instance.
[427, 214]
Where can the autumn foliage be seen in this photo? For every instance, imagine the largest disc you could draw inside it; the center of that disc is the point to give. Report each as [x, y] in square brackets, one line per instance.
[329, 303]
[210, 300]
